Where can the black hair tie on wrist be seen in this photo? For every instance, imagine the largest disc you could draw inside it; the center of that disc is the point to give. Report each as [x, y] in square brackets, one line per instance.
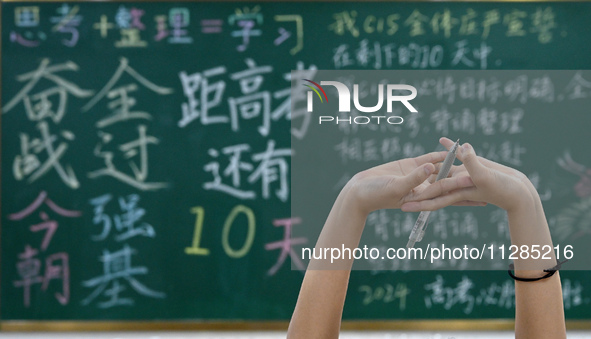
[549, 272]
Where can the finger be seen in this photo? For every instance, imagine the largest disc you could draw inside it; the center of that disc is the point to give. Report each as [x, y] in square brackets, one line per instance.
[414, 191]
[491, 164]
[432, 178]
[446, 142]
[432, 158]
[475, 168]
[414, 179]
[470, 203]
[452, 170]
[440, 202]
[443, 186]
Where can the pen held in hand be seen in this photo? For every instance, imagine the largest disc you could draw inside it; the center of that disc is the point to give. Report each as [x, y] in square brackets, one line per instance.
[421, 224]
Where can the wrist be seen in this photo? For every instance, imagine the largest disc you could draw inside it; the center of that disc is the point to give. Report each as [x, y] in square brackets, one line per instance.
[343, 228]
[527, 222]
[524, 196]
[525, 205]
[350, 202]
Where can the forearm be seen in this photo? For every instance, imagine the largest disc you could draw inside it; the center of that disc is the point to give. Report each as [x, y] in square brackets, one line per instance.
[320, 303]
[539, 310]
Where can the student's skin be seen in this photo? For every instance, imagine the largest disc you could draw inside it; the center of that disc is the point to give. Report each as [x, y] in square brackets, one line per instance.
[409, 184]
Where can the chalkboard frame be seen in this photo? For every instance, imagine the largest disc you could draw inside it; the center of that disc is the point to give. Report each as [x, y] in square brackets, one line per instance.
[205, 325]
[347, 325]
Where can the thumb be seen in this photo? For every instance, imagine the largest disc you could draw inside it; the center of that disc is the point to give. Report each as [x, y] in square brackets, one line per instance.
[468, 157]
[416, 177]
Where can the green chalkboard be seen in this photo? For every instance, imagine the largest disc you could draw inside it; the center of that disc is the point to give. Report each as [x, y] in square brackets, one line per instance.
[146, 151]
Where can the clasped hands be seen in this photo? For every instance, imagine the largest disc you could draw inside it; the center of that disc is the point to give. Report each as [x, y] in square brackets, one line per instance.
[409, 184]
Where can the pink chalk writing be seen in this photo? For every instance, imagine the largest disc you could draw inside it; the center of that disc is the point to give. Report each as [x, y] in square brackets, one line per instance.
[57, 265]
[286, 245]
[42, 198]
